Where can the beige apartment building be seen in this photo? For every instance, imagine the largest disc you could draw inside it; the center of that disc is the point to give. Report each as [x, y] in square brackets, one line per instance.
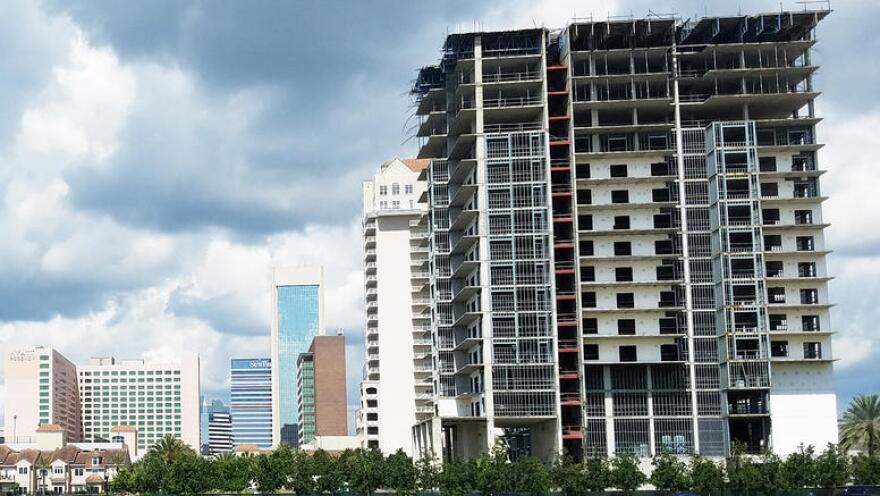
[41, 388]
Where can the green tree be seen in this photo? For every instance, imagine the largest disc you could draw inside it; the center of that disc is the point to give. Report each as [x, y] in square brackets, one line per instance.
[865, 469]
[860, 428]
[457, 478]
[401, 474]
[493, 474]
[799, 468]
[597, 473]
[706, 476]
[832, 468]
[427, 473]
[568, 476]
[742, 471]
[626, 474]
[530, 476]
[669, 473]
[232, 473]
[365, 470]
[124, 482]
[169, 447]
[41, 467]
[329, 472]
[269, 474]
[300, 473]
[187, 474]
[771, 479]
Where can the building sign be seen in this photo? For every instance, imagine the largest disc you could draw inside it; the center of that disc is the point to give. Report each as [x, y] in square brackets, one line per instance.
[22, 356]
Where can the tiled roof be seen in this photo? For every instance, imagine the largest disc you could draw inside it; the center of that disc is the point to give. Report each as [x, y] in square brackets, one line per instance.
[68, 454]
[414, 164]
[50, 428]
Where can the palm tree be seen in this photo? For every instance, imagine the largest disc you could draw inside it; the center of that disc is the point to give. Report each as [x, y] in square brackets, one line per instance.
[42, 464]
[860, 428]
[169, 447]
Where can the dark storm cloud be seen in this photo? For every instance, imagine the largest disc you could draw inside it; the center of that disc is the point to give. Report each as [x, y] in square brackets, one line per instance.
[331, 76]
[37, 297]
[226, 314]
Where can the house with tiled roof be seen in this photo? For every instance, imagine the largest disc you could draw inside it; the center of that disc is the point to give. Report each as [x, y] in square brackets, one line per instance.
[53, 465]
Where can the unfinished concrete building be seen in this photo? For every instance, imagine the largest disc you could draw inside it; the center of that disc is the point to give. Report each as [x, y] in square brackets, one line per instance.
[626, 239]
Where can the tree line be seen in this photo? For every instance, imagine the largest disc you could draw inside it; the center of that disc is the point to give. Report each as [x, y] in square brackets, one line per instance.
[170, 467]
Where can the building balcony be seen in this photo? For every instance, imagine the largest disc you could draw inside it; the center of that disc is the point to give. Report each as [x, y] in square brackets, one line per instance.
[619, 284]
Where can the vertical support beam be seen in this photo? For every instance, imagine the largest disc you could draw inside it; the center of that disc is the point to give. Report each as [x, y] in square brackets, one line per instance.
[609, 411]
[682, 205]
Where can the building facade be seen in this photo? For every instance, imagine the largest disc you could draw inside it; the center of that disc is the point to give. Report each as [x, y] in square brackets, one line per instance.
[158, 399]
[626, 239]
[43, 385]
[251, 405]
[398, 366]
[321, 390]
[297, 317]
[219, 432]
[52, 465]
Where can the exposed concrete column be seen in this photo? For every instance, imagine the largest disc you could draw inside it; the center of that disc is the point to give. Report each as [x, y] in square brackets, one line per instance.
[651, 443]
[609, 411]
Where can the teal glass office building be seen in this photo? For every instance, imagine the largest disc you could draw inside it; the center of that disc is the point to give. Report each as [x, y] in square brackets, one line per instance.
[298, 313]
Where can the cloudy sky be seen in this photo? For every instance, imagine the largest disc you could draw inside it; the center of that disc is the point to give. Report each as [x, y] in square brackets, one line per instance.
[156, 158]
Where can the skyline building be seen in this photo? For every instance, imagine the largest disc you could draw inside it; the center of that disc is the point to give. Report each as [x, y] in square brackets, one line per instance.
[207, 409]
[321, 390]
[627, 251]
[158, 398]
[397, 387]
[92, 402]
[297, 317]
[44, 386]
[219, 431]
[251, 401]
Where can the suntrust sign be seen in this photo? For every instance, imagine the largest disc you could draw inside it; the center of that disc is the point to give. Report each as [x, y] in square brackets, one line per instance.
[251, 363]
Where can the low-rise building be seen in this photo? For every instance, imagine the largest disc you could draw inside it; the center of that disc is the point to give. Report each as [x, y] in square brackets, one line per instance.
[50, 464]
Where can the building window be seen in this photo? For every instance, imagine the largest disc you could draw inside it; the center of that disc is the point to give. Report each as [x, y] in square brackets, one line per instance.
[408, 189]
[591, 352]
[395, 205]
[626, 327]
[625, 300]
[627, 354]
[779, 349]
[383, 205]
[383, 190]
[618, 170]
[395, 189]
[620, 196]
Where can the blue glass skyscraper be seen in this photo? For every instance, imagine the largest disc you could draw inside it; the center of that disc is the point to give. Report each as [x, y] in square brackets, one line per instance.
[297, 304]
[251, 401]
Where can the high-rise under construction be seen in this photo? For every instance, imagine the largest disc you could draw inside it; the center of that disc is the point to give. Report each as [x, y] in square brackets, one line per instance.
[626, 239]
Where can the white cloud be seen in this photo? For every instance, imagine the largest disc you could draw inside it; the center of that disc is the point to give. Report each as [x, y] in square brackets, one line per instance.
[547, 13]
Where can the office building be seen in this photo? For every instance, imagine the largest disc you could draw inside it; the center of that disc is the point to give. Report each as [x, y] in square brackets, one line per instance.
[41, 388]
[398, 340]
[207, 412]
[219, 432]
[251, 405]
[297, 317]
[158, 398]
[321, 392]
[626, 238]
